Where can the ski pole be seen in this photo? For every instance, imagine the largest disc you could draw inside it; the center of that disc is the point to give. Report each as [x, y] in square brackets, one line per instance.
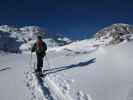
[33, 67]
[47, 61]
[30, 59]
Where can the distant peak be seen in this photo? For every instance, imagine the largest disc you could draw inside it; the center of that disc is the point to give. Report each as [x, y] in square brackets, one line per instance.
[116, 33]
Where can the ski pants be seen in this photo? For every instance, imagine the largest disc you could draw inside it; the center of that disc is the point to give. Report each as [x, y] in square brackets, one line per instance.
[39, 62]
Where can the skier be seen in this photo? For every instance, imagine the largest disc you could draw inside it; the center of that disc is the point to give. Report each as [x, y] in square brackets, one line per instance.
[40, 48]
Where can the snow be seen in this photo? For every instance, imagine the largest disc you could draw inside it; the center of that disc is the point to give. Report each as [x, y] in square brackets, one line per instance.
[78, 46]
[83, 70]
[12, 79]
[107, 79]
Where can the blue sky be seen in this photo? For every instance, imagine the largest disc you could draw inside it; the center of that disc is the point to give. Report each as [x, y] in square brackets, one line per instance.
[76, 17]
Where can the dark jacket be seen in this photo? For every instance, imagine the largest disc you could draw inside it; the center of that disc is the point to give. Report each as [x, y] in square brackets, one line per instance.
[40, 52]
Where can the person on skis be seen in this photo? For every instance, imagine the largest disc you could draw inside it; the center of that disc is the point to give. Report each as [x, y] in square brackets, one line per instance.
[40, 48]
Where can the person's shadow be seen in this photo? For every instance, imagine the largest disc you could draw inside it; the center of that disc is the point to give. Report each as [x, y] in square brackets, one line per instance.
[81, 64]
[3, 69]
[45, 89]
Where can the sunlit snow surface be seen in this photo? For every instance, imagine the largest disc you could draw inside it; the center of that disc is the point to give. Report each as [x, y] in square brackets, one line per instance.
[84, 70]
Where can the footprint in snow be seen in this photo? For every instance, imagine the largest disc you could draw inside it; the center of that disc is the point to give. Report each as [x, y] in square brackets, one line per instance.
[82, 96]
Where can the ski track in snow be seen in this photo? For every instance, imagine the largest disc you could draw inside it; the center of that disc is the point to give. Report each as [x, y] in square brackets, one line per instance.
[44, 89]
[47, 88]
[51, 88]
[36, 87]
[64, 86]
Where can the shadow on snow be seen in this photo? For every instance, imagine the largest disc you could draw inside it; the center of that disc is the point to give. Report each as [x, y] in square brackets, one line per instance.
[45, 89]
[81, 64]
[3, 69]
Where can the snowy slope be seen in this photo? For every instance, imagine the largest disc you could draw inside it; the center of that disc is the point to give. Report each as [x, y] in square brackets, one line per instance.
[12, 78]
[101, 73]
[105, 74]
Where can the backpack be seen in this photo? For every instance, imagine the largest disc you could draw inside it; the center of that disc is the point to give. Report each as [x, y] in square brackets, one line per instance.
[41, 47]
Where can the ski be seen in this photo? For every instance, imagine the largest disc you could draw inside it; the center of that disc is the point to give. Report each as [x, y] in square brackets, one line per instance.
[41, 75]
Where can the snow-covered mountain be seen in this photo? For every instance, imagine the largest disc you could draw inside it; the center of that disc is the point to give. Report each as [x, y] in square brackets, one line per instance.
[24, 33]
[115, 33]
[25, 36]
